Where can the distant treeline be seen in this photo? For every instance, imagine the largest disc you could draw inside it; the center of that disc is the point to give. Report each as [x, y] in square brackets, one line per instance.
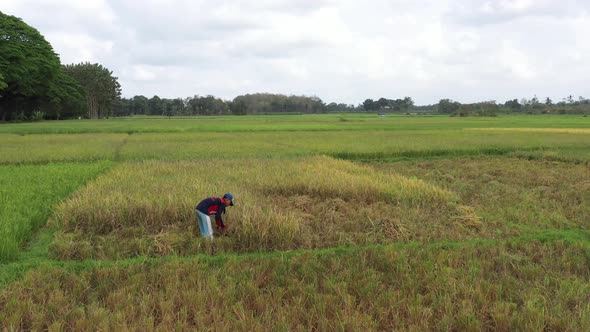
[568, 105]
[258, 103]
[267, 103]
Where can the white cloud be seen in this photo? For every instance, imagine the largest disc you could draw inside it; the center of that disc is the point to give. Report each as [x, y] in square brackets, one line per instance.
[79, 47]
[517, 62]
[142, 73]
[343, 51]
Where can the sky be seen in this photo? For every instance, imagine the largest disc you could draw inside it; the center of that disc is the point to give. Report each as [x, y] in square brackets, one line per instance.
[341, 51]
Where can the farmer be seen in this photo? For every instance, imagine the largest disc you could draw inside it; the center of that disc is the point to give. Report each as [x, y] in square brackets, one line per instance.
[209, 206]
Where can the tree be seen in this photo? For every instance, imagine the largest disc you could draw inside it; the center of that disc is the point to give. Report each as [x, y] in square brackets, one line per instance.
[65, 98]
[339, 108]
[465, 110]
[154, 106]
[28, 65]
[382, 102]
[2, 83]
[208, 105]
[487, 108]
[513, 104]
[548, 102]
[370, 105]
[101, 88]
[176, 107]
[264, 103]
[140, 105]
[238, 107]
[399, 105]
[122, 107]
[408, 103]
[448, 106]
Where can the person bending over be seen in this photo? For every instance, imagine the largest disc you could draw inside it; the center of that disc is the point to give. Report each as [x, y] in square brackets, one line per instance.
[209, 206]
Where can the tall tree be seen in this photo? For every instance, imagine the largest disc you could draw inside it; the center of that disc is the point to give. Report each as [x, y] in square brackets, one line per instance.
[548, 101]
[370, 105]
[122, 107]
[100, 86]
[513, 104]
[263, 103]
[141, 105]
[2, 83]
[176, 107]
[448, 106]
[28, 65]
[154, 106]
[408, 103]
[382, 102]
[65, 98]
[238, 107]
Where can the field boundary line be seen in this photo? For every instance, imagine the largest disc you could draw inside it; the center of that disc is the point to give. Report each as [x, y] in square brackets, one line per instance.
[18, 268]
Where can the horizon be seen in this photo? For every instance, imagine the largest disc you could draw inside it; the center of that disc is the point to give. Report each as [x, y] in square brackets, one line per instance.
[340, 51]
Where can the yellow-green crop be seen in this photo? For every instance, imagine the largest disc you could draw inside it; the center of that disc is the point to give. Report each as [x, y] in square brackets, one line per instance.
[147, 208]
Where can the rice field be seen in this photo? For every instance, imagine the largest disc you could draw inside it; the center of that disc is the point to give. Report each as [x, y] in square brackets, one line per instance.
[285, 123]
[351, 145]
[341, 222]
[501, 285]
[147, 208]
[28, 194]
[43, 149]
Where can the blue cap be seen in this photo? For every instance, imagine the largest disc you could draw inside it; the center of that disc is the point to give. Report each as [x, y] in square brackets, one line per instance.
[230, 197]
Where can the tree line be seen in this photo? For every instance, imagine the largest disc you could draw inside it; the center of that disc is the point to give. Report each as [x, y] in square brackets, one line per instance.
[568, 105]
[35, 85]
[259, 103]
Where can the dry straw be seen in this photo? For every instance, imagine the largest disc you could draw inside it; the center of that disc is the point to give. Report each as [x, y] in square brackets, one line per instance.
[147, 208]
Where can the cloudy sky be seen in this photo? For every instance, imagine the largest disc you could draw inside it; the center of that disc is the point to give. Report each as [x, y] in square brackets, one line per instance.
[342, 51]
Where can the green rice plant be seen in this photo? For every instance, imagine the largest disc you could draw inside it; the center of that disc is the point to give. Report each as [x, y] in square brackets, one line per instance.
[417, 139]
[291, 123]
[28, 194]
[38, 149]
[303, 203]
[493, 285]
[352, 145]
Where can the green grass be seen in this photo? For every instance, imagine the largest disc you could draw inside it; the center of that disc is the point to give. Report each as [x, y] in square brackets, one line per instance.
[396, 138]
[353, 145]
[28, 194]
[356, 145]
[40, 149]
[362, 122]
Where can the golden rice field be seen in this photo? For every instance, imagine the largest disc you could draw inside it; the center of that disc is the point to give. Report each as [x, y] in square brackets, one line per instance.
[147, 208]
[341, 222]
[540, 130]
